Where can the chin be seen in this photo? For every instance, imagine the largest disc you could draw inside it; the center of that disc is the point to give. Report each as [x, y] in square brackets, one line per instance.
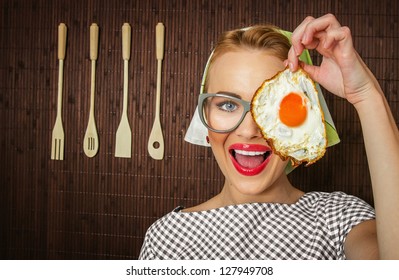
[247, 185]
[249, 190]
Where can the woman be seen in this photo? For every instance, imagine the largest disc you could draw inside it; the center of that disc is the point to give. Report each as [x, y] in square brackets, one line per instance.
[259, 214]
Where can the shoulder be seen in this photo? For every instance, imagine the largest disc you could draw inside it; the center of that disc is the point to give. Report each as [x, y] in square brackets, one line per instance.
[343, 213]
[156, 233]
[340, 210]
[334, 200]
[349, 204]
[164, 220]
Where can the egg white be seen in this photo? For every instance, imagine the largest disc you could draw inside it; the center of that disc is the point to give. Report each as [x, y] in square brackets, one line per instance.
[303, 143]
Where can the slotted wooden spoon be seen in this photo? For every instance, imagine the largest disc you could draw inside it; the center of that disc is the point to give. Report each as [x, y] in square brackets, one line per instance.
[155, 141]
[123, 146]
[90, 141]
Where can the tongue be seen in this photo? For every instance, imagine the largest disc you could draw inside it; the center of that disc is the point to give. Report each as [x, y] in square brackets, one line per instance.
[249, 161]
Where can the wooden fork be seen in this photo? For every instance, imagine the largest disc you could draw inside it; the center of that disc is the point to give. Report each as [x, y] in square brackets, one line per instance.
[57, 141]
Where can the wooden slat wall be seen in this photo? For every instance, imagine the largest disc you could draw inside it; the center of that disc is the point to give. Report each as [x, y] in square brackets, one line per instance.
[100, 208]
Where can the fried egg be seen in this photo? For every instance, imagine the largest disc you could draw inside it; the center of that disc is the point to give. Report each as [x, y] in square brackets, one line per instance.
[287, 110]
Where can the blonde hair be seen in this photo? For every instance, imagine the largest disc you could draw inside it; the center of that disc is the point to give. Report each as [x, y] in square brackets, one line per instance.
[259, 37]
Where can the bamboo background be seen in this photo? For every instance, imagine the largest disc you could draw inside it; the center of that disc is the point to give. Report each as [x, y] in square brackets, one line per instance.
[100, 208]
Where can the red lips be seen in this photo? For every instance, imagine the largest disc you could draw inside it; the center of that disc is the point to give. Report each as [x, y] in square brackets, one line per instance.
[249, 159]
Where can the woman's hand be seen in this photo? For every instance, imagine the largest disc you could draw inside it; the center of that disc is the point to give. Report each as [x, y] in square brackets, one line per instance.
[342, 71]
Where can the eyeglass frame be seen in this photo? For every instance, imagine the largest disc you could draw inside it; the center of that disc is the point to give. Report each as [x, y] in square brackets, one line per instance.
[246, 105]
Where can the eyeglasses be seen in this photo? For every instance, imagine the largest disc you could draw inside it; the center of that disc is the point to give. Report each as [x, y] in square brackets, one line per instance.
[220, 112]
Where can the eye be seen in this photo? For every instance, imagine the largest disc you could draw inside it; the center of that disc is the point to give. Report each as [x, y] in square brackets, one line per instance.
[227, 105]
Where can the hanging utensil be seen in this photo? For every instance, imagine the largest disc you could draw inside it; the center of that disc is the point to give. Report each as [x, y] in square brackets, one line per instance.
[57, 140]
[123, 146]
[90, 141]
[156, 142]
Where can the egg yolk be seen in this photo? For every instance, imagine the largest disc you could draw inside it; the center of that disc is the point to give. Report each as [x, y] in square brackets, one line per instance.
[292, 110]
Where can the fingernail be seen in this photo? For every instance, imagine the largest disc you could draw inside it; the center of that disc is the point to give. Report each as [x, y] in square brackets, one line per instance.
[291, 66]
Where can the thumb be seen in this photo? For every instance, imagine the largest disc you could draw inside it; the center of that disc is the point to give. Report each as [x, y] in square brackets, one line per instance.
[311, 70]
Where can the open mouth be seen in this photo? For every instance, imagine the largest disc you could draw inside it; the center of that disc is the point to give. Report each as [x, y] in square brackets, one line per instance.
[249, 160]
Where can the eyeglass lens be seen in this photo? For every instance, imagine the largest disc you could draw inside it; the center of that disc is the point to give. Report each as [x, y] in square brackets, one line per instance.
[222, 113]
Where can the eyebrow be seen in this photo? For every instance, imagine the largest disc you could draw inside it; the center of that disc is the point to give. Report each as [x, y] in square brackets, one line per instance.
[230, 93]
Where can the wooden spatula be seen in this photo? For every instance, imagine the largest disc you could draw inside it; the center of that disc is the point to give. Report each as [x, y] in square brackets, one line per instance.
[155, 141]
[57, 140]
[123, 146]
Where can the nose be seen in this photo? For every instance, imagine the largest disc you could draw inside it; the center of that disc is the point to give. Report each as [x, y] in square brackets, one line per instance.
[248, 129]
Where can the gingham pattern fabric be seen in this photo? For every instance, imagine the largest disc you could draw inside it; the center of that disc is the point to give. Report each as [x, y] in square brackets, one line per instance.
[315, 227]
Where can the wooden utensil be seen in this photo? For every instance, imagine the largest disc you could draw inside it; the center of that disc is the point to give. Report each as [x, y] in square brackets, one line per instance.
[90, 141]
[156, 141]
[123, 146]
[57, 140]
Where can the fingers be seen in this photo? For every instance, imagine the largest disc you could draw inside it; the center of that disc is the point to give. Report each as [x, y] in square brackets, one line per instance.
[315, 33]
[297, 47]
[297, 35]
[292, 60]
[311, 70]
[325, 23]
[341, 34]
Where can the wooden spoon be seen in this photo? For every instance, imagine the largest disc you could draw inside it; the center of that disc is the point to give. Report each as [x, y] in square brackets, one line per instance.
[90, 141]
[156, 142]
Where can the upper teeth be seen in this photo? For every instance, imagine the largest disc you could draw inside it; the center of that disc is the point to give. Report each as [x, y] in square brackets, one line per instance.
[249, 153]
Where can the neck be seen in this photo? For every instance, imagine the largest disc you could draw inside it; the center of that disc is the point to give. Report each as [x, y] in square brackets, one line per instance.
[281, 191]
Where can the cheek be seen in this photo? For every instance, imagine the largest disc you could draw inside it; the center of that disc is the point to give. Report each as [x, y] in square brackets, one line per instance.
[216, 139]
[280, 164]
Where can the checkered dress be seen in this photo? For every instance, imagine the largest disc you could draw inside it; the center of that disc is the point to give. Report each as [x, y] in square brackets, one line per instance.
[315, 227]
